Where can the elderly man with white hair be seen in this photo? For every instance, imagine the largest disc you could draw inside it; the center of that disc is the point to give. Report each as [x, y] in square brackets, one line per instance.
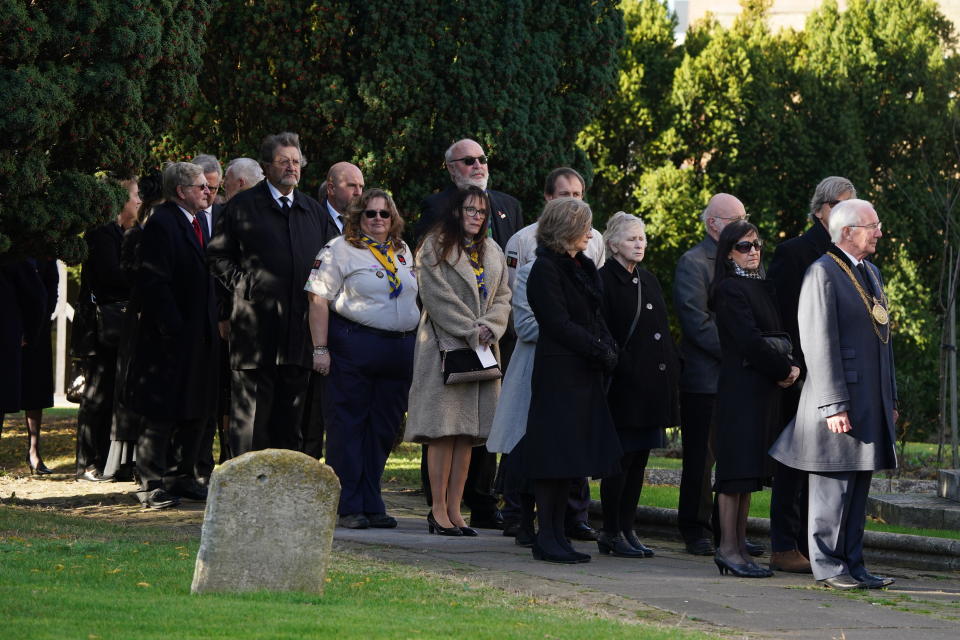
[844, 428]
[241, 174]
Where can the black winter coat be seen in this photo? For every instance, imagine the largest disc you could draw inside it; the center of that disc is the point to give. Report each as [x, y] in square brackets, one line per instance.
[173, 372]
[22, 296]
[37, 372]
[570, 432]
[747, 411]
[644, 391]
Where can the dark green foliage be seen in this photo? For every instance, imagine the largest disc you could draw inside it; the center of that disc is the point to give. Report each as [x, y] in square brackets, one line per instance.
[390, 84]
[85, 86]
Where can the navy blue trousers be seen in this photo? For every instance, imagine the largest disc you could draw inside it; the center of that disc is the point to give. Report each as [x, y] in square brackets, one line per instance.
[366, 397]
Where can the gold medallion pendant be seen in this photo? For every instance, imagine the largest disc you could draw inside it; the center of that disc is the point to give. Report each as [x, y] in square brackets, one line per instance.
[879, 314]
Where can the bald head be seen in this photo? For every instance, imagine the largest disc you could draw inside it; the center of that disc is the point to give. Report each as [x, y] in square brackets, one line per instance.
[722, 209]
[344, 183]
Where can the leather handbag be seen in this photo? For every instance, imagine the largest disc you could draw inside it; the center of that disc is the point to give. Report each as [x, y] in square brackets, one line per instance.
[777, 341]
[110, 322]
[460, 366]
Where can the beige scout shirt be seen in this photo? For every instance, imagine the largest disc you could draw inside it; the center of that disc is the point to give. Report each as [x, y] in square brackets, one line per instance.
[356, 284]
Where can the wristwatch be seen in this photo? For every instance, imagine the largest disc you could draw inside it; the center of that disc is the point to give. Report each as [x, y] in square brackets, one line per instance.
[321, 350]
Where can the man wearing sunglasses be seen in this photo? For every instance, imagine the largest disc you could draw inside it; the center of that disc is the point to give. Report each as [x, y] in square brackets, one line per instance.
[701, 368]
[788, 502]
[263, 248]
[466, 164]
[844, 429]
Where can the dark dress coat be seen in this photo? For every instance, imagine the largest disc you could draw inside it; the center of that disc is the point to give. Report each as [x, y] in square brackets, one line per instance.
[262, 258]
[644, 392]
[506, 216]
[570, 432]
[748, 410]
[127, 424]
[173, 372]
[700, 345]
[22, 297]
[37, 372]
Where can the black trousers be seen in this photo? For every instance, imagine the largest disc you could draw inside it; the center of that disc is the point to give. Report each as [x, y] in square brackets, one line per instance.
[578, 502]
[267, 408]
[95, 417]
[167, 452]
[696, 497]
[788, 499]
[313, 417]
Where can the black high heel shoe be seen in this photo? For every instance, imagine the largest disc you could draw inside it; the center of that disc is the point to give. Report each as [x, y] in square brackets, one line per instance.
[469, 532]
[434, 527]
[743, 570]
[39, 470]
[631, 537]
[616, 545]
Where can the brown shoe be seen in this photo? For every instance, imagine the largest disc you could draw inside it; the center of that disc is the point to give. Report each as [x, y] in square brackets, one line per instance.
[790, 561]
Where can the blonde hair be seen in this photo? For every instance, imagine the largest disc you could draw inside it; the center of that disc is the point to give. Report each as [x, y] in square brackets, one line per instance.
[563, 220]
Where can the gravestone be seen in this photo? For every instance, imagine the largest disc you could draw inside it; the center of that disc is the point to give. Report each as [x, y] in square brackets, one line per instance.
[268, 524]
[948, 484]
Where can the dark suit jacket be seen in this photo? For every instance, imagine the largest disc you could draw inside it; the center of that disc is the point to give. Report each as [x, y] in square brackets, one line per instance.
[505, 219]
[263, 257]
[173, 373]
[700, 346]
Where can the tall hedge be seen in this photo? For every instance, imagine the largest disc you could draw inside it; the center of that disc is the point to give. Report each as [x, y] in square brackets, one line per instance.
[85, 85]
[389, 84]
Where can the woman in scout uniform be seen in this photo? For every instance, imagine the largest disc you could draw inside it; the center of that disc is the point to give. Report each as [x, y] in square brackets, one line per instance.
[363, 314]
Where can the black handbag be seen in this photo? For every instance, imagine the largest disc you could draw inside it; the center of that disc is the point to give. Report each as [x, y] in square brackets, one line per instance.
[778, 342]
[110, 323]
[459, 366]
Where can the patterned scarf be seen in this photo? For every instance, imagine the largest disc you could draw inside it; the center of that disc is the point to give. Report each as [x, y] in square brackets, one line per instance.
[383, 252]
[474, 254]
[753, 274]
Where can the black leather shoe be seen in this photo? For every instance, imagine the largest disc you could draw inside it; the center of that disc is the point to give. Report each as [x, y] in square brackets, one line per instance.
[381, 521]
[524, 538]
[489, 521]
[189, 490]
[510, 529]
[92, 475]
[616, 545]
[469, 532]
[874, 582]
[582, 531]
[843, 582]
[755, 548]
[157, 499]
[631, 537]
[700, 547]
[558, 558]
[354, 521]
[435, 527]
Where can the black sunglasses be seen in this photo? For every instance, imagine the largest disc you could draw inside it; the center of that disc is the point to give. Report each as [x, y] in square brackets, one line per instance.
[744, 246]
[373, 213]
[469, 160]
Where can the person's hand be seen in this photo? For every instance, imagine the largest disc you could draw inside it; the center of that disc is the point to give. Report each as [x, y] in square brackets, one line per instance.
[224, 328]
[896, 416]
[794, 374]
[321, 363]
[486, 335]
[839, 423]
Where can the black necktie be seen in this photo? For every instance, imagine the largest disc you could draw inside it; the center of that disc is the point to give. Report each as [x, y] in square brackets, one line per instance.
[862, 268]
[285, 204]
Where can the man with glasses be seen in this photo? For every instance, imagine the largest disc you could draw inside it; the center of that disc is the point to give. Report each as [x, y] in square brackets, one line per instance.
[844, 429]
[701, 367]
[466, 163]
[788, 502]
[262, 251]
[173, 372]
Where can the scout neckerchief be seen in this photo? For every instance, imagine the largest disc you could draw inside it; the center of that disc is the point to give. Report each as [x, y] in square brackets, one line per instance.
[474, 255]
[383, 252]
[878, 310]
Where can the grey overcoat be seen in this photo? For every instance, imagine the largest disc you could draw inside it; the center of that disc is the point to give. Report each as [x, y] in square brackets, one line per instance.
[700, 346]
[849, 369]
[510, 421]
[452, 301]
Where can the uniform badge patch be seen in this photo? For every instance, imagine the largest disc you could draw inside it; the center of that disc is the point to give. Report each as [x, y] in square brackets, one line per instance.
[512, 262]
[402, 260]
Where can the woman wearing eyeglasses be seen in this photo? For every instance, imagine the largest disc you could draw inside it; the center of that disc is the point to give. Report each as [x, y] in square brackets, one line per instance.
[363, 313]
[466, 304]
[756, 364]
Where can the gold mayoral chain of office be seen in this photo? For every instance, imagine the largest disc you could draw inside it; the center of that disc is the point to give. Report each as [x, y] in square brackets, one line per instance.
[878, 309]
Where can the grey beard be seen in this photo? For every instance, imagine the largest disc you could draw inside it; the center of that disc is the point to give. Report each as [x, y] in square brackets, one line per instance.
[463, 183]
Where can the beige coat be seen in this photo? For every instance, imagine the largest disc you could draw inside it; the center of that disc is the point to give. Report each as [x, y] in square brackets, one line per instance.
[452, 301]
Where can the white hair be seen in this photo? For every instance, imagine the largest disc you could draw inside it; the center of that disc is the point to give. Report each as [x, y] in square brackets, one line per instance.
[618, 226]
[246, 168]
[846, 214]
[208, 163]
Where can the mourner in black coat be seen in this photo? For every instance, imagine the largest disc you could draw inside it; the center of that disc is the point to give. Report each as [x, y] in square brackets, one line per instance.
[644, 392]
[22, 296]
[752, 373]
[570, 432]
[173, 373]
[262, 254]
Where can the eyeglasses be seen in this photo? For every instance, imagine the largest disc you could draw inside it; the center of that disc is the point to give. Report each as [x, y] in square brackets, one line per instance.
[469, 160]
[202, 187]
[287, 163]
[473, 212]
[373, 213]
[876, 225]
[745, 246]
[832, 203]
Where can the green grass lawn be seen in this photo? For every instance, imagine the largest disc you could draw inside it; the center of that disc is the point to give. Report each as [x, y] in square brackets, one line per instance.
[71, 577]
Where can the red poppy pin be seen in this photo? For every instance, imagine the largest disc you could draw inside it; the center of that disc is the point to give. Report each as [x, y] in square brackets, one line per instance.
[402, 260]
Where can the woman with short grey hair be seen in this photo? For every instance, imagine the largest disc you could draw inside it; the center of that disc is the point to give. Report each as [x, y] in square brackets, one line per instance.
[643, 395]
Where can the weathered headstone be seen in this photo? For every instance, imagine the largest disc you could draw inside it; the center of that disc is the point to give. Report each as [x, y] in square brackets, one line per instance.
[268, 524]
[948, 484]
